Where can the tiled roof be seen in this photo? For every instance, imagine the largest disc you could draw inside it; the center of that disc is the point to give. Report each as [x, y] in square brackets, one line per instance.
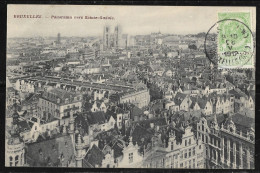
[243, 121]
[49, 152]
[109, 114]
[94, 157]
[135, 111]
[96, 117]
[202, 103]
[179, 98]
[23, 126]
[118, 148]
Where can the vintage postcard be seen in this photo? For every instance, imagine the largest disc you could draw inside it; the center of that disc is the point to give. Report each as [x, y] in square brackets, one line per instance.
[95, 86]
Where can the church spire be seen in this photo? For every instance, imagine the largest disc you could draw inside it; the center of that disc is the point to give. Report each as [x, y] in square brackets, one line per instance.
[79, 151]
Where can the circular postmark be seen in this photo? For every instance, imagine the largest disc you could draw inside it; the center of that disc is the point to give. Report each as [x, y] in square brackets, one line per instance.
[229, 43]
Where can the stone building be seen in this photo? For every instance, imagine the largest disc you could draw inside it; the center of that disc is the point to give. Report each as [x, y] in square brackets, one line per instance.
[59, 103]
[229, 141]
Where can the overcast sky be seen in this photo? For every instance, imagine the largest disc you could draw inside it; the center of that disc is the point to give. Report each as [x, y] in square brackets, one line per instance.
[133, 19]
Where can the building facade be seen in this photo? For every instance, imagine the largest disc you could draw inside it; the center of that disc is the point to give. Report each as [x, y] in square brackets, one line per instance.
[59, 103]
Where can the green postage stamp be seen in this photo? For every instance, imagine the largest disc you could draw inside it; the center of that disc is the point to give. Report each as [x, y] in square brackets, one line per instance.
[235, 42]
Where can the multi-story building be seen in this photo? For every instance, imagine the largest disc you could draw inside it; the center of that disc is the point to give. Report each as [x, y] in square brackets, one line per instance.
[59, 103]
[225, 104]
[22, 85]
[139, 98]
[229, 141]
[238, 141]
[181, 150]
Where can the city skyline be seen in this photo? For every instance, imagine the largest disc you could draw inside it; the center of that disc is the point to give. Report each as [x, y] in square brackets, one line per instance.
[132, 97]
[143, 21]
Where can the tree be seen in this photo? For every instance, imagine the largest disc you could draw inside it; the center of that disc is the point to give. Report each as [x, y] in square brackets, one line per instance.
[155, 92]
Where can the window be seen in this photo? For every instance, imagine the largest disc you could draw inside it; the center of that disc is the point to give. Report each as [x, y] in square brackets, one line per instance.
[181, 165]
[171, 145]
[200, 147]
[11, 160]
[130, 157]
[16, 160]
[193, 151]
[189, 152]
[162, 162]
[189, 141]
[185, 142]
[21, 159]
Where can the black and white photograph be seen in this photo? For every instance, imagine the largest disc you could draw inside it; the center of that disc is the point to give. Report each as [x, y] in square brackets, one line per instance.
[116, 86]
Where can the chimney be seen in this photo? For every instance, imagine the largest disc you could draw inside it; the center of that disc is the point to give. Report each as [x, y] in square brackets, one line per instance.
[157, 128]
[49, 133]
[38, 120]
[152, 125]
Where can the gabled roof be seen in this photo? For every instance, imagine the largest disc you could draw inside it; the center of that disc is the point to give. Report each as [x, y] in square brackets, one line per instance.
[179, 97]
[93, 158]
[202, 102]
[135, 111]
[109, 113]
[118, 148]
